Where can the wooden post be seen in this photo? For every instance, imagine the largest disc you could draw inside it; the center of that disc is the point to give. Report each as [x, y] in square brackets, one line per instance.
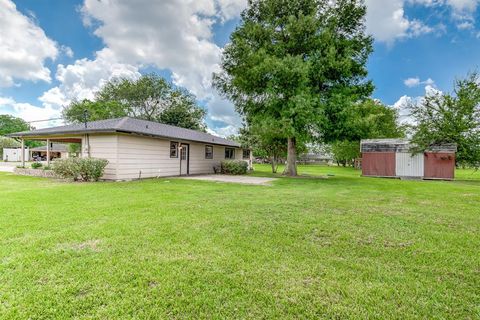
[23, 153]
[48, 152]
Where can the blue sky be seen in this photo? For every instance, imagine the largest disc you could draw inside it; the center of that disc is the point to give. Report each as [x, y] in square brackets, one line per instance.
[53, 51]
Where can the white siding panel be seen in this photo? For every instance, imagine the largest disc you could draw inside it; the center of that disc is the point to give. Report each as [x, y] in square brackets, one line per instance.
[144, 157]
[104, 147]
[407, 165]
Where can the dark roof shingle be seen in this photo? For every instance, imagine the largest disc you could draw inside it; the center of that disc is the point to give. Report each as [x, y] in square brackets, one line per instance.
[129, 125]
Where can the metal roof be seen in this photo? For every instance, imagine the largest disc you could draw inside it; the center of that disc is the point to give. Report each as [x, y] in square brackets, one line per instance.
[131, 126]
[56, 147]
[400, 145]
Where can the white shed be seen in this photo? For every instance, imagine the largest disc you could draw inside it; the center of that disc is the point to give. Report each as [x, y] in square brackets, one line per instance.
[15, 154]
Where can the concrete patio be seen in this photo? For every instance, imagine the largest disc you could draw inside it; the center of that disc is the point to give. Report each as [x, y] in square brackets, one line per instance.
[232, 179]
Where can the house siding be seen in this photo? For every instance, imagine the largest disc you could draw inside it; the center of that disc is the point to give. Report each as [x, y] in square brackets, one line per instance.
[136, 157]
[103, 147]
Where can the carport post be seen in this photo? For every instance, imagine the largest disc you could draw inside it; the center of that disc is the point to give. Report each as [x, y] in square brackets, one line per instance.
[23, 153]
[48, 152]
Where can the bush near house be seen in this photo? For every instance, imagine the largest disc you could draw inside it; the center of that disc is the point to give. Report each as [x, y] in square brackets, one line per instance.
[235, 167]
[84, 169]
[36, 165]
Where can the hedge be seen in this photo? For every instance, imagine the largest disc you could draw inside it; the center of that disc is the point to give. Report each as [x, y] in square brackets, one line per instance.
[84, 169]
[235, 167]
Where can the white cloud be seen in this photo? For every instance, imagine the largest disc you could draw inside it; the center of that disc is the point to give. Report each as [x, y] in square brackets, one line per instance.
[29, 112]
[414, 82]
[176, 35]
[405, 102]
[24, 47]
[83, 78]
[387, 22]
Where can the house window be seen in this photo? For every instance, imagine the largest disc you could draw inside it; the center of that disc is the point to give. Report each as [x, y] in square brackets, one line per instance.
[173, 149]
[183, 153]
[208, 152]
[229, 153]
[246, 154]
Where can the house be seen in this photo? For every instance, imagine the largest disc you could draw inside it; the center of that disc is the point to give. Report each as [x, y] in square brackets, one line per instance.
[57, 151]
[394, 158]
[143, 149]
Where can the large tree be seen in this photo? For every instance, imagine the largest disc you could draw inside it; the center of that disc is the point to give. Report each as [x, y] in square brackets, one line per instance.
[150, 97]
[289, 61]
[11, 124]
[442, 118]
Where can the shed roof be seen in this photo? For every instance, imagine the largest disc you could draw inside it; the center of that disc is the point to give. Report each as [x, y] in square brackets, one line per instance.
[131, 126]
[56, 147]
[400, 145]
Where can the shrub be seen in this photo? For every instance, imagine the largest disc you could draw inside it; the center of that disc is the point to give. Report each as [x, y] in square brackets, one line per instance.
[86, 169]
[47, 168]
[235, 167]
[36, 165]
[92, 169]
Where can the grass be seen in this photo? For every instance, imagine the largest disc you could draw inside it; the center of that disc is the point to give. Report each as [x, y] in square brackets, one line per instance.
[332, 245]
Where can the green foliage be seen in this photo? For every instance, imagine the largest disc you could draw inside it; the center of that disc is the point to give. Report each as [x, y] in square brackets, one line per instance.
[74, 148]
[97, 110]
[235, 167]
[85, 169]
[369, 119]
[11, 124]
[290, 60]
[8, 143]
[451, 118]
[36, 165]
[150, 97]
[47, 168]
[345, 152]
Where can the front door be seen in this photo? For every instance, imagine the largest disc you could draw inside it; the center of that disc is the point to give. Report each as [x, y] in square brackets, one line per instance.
[184, 159]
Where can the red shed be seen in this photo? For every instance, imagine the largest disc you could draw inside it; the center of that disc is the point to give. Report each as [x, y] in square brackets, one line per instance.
[393, 158]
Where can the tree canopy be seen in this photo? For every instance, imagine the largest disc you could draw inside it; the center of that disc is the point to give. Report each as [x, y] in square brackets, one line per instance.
[451, 118]
[292, 63]
[150, 97]
[11, 124]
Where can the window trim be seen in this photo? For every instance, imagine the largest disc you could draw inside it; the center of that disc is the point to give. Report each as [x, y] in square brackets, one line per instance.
[207, 146]
[233, 153]
[176, 149]
[243, 154]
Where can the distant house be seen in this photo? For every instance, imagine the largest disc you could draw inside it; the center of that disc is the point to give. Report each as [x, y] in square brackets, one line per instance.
[394, 158]
[57, 151]
[143, 149]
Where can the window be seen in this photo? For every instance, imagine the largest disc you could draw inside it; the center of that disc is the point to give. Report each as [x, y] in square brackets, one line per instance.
[229, 153]
[183, 152]
[208, 152]
[173, 149]
[246, 154]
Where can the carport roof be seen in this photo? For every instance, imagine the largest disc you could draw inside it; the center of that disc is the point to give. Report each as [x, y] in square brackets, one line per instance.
[130, 126]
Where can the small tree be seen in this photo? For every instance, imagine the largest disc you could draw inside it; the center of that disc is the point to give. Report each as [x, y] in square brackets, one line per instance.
[345, 152]
[442, 118]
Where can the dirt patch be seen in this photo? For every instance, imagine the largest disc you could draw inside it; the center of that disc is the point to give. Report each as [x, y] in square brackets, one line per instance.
[232, 179]
[91, 245]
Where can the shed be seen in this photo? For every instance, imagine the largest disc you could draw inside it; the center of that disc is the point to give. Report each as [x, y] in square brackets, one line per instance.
[394, 158]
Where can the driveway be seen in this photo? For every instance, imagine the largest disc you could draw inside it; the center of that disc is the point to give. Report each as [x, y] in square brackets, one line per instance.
[8, 166]
[232, 179]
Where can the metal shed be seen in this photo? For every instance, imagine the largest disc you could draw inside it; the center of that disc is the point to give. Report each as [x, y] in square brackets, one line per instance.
[393, 158]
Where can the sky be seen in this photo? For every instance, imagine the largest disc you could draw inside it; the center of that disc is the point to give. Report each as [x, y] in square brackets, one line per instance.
[54, 51]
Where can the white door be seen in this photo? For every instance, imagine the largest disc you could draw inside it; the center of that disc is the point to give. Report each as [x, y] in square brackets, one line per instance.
[407, 165]
[184, 161]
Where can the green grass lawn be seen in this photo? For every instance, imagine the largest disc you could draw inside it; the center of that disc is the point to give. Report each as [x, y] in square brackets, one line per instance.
[332, 245]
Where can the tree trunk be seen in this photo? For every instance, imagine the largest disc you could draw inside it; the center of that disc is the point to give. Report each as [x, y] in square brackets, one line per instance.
[291, 169]
[274, 164]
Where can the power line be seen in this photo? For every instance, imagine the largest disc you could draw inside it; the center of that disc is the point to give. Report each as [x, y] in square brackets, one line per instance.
[53, 119]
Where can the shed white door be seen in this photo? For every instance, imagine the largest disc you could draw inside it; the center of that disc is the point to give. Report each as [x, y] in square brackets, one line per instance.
[407, 165]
